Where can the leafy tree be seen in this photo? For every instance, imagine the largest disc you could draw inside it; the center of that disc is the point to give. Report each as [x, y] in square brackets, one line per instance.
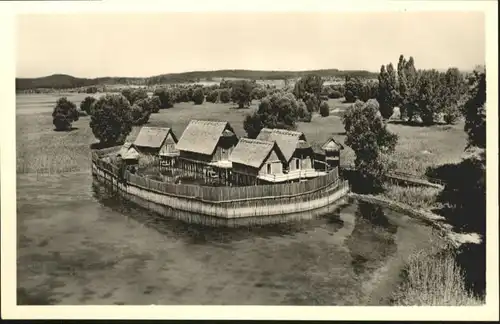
[353, 87]
[225, 95]
[182, 95]
[369, 90]
[324, 109]
[87, 104]
[387, 95]
[166, 97]
[212, 96]
[241, 92]
[137, 94]
[464, 194]
[64, 114]
[275, 111]
[198, 96]
[428, 101]
[368, 136]
[303, 114]
[92, 89]
[407, 87]
[190, 93]
[127, 93]
[312, 102]
[143, 110]
[140, 115]
[258, 93]
[334, 94]
[309, 89]
[474, 111]
[112, 119]
[154, 104]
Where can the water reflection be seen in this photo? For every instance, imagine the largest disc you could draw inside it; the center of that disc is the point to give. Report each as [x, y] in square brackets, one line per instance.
[375, 215]
[201, 234]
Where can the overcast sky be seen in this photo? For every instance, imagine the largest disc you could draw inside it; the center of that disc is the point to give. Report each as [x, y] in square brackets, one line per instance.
[95, 45]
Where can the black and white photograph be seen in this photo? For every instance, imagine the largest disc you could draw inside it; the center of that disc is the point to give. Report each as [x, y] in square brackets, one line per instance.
[314, 158]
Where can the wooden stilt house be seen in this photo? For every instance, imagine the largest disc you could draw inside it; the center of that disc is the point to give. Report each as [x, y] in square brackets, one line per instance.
[298, 153]
[205, 147]
[255, 161]
[331, 151]
[157, 142]
[129, 154]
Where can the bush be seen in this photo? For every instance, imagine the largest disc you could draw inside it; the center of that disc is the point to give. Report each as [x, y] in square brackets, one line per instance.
[198, 96]
[182, 95]
[349, 96]
[334, 94]
[258, 93]
[91, 90]
[451, 114]
[141, 111]
[154, 104]
[133, 95]
[241, 93]
[303, 114]
[87, 105]
[308, 85]
[112, 119]
[190, 93]
[353, 89]
[166, 96]
[275, 111]
[64, 114]
[212, 96]
[225, 95]
[140, 115]
[324, 109]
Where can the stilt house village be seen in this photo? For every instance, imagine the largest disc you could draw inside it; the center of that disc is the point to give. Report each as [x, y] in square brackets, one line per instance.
[211, 151]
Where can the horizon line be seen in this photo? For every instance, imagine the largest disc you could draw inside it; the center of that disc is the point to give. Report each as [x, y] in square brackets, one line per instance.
[227, 69]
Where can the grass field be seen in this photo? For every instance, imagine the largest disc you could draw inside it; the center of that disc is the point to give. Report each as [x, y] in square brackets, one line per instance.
[41, 149]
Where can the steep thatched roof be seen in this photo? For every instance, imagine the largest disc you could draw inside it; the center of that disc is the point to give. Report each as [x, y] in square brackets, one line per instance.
[287, 140]
[202, 136]
[153, 137]
[332, 145]
[253, 152]
[131, 154]
[124, 149]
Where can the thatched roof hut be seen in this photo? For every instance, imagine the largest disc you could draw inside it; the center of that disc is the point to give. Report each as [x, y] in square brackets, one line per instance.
[254, 153]
[202, 136]
[124, 149]
[287, 140]
[331, 145]
[153, 137]
[128, 153]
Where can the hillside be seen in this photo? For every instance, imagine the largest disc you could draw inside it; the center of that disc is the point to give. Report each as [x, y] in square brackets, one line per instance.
[63, 81]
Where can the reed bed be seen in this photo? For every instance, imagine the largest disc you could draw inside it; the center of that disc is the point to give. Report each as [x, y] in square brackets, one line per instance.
[418, 197]
[433, 278]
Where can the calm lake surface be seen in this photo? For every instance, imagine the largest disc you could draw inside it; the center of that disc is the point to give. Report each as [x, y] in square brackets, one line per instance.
[77, 245]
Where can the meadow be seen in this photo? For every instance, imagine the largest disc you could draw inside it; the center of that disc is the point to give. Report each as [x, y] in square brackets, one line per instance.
[41, 149]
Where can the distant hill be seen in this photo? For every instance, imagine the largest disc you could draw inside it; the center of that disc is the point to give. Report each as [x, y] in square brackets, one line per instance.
[57, 81]
[63, 81]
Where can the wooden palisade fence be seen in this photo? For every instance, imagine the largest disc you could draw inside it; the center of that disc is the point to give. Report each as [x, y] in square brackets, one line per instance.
[223, 202]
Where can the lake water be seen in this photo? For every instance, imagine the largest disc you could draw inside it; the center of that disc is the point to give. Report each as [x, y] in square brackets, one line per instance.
[77, 245]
